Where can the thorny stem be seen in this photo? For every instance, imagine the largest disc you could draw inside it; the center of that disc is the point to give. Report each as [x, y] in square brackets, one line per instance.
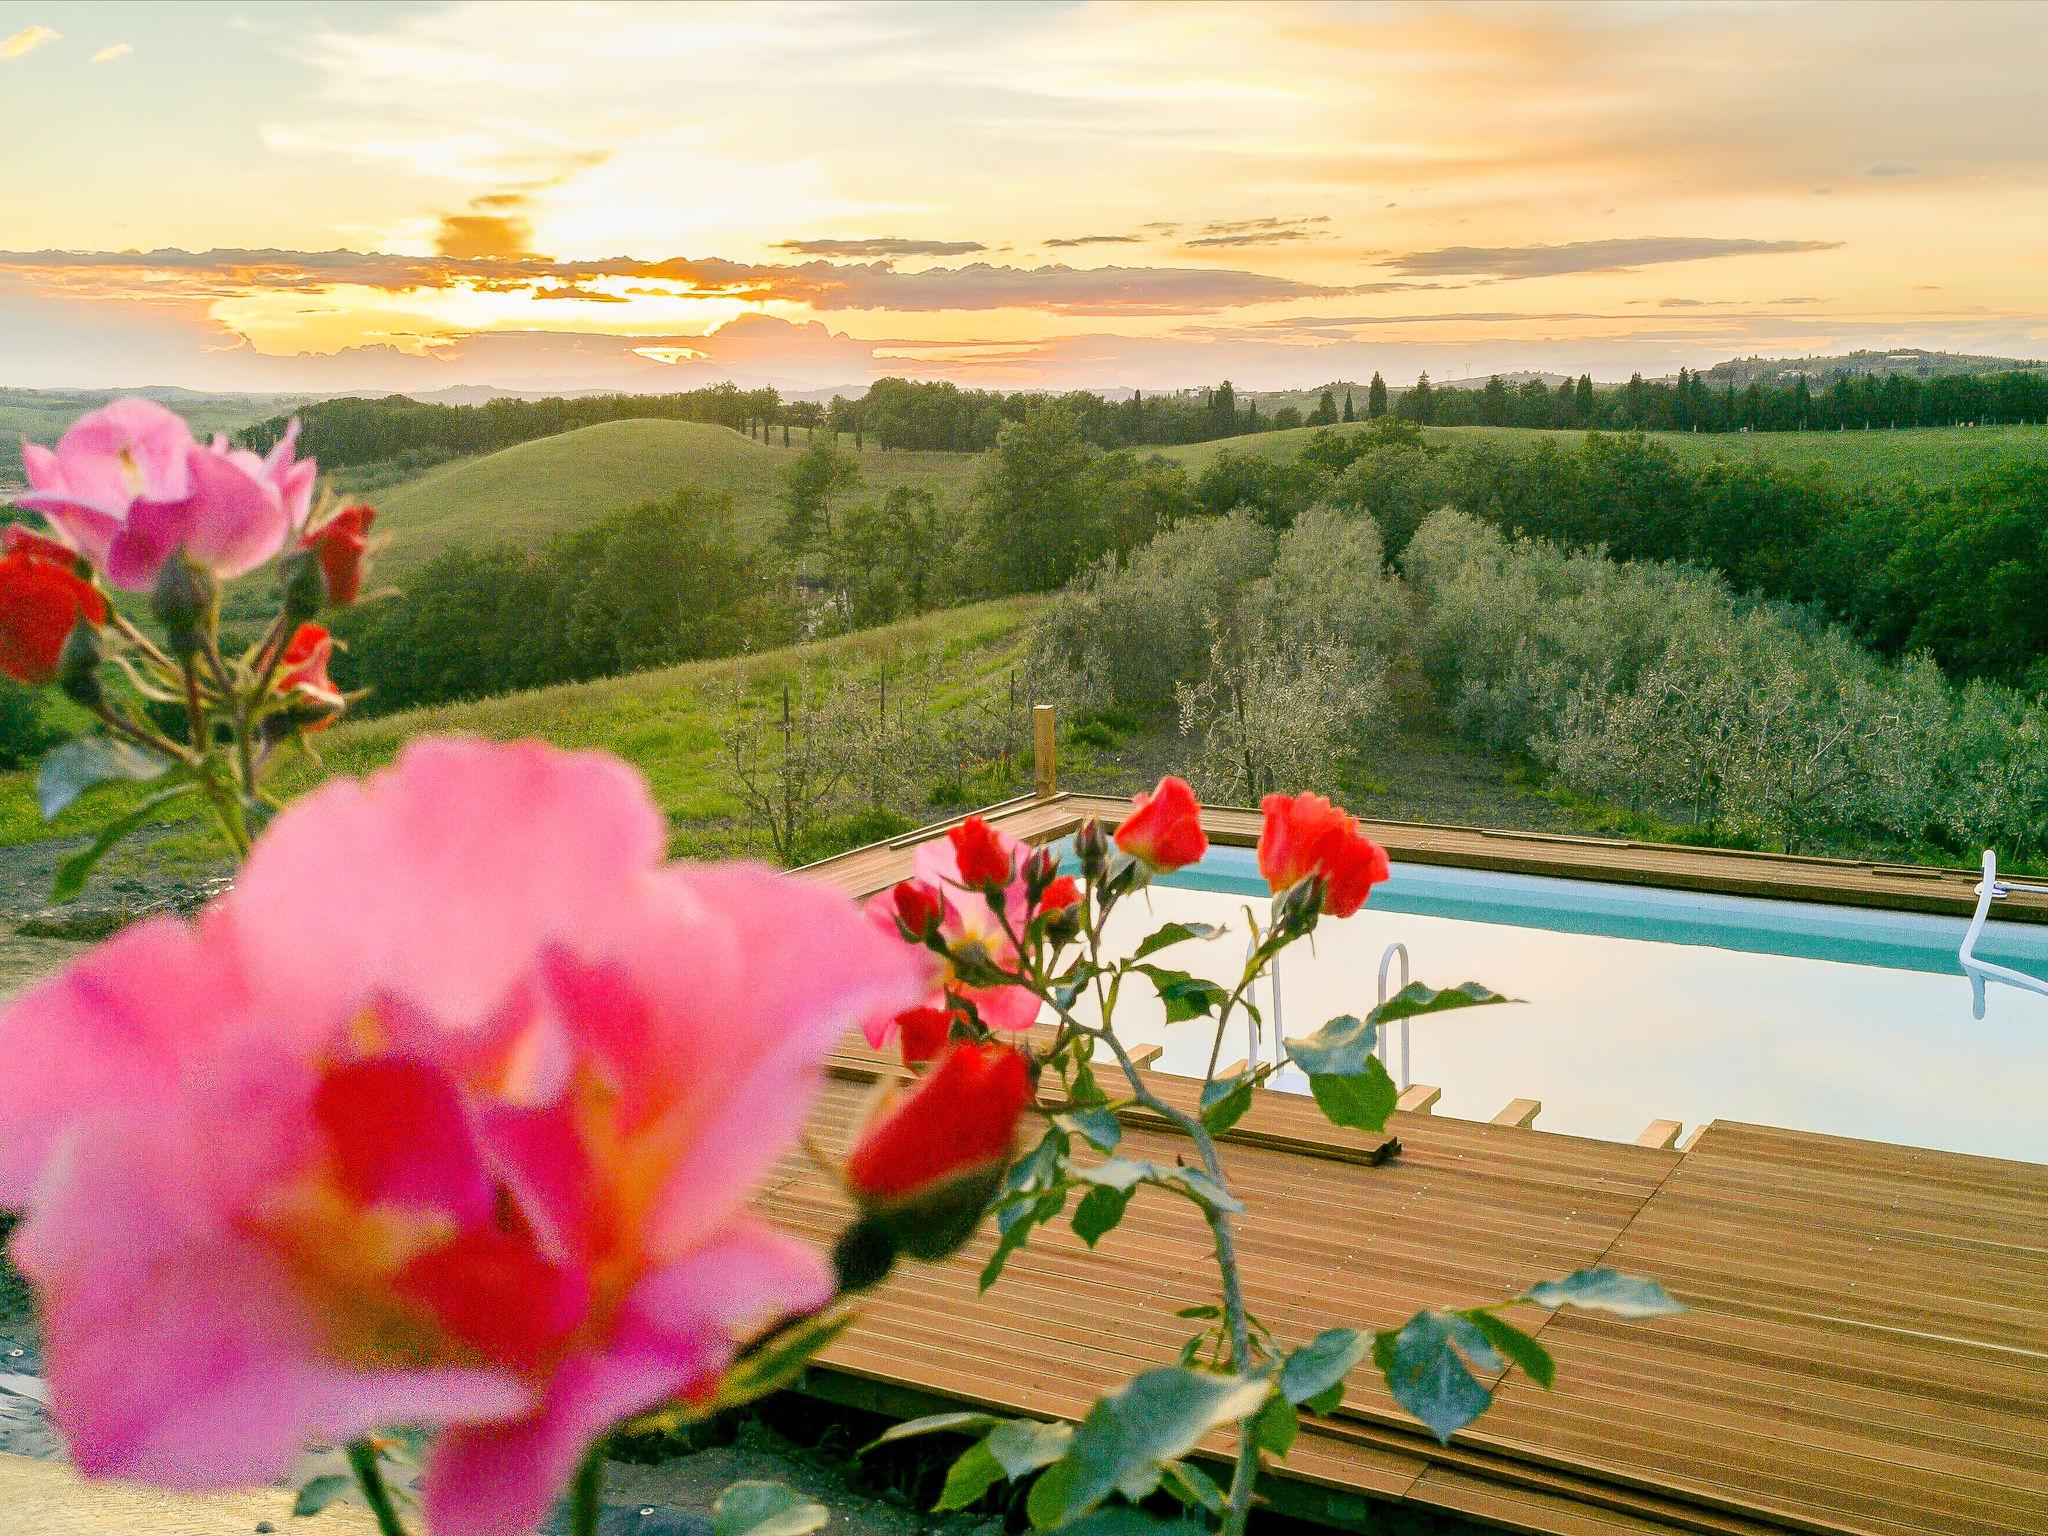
[1237, 1504]
[362, 1460]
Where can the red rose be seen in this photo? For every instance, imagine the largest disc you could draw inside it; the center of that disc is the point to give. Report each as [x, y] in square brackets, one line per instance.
[41, 598]
[342, 544]
[980, 855]
[1060, 895]
[920, 908]
[923, 1033]
[1165, 828]
[1306, 835]
[18, 540]
[958, 1122]
[302, 673]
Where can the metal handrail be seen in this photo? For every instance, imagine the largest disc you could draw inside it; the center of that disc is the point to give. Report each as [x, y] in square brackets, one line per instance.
[1384, 1047]
[1989, 889]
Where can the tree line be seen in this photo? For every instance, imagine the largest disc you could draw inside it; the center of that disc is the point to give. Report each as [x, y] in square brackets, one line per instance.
[938, 416]
[1956, 569]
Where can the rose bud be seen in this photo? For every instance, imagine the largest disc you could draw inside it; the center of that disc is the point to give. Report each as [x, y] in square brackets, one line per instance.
[1306, 836]
[930, 1161]
[1165, 827]
[986, 864]
[923, 1033]
[1040, 866]
[302, 677]
[1091, 848]
[342, 545]
[920, 909]
[41, 600]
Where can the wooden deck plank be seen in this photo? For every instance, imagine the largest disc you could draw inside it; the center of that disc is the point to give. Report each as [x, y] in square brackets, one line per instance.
[1866, 1352]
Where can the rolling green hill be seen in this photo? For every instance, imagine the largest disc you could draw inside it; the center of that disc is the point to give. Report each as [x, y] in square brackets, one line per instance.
[533, 490]
[1928, 453]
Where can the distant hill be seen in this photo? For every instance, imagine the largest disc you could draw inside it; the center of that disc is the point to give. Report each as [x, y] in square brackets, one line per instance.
[1910, 361]
[533, 490]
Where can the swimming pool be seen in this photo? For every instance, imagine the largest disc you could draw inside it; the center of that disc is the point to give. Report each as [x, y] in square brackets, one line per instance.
[1646, 1003]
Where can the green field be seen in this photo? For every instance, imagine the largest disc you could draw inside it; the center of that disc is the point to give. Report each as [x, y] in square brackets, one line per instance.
[665, 722]
[1929, 454]
[531, 491]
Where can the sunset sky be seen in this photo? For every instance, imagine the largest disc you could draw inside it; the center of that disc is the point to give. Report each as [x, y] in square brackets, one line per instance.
[402, 195]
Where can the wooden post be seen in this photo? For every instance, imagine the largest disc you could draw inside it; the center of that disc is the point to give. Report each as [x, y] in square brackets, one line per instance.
[1660, 1133]
[1042, 751]
[1521, 1113]
[1419, 1098]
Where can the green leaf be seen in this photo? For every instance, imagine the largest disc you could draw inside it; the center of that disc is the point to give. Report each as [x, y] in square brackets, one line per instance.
[1204, 1190]
[933, 1424]
[1415, 999]
[1605, 1290]
[1200, 1309]
[1275, 1426]
[759, 1373]
[1159, 1416]
[1322, 1363]
[971, 1475]
[1185, 997]
[1099, 1212]
[1174, 933]
[1122, 1520]
[1192, 1486]
[1225, 1100]
[86, 761]
[321, 1491]
[1094, 1124]
[1522, 1348]
[765, 1509]
[1046, 1505]
[1022, 1446]
[73, 872]
[1341, 1048]
[1360, 1101]
[1427, 1377]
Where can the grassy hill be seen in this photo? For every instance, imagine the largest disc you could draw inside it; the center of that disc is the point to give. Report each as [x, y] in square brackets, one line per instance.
[1929, 453]
[533, 490]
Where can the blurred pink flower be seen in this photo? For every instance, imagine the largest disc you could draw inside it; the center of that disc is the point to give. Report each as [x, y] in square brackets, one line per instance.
[127, 487]
[447, 1114]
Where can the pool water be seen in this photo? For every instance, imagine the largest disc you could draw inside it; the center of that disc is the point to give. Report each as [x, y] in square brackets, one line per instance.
[1644, 1004]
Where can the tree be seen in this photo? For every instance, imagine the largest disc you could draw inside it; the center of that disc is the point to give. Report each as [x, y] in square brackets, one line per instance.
[1349, 413]
[809, 485]
[1034, 512]
[1418, 403]
[1325, 413]
[1376, 397]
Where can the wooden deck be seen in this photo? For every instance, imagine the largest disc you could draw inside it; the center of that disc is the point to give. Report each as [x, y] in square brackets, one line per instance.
[1865, 1354]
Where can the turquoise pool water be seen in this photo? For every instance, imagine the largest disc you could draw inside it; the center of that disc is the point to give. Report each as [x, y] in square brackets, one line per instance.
[1647, 1004]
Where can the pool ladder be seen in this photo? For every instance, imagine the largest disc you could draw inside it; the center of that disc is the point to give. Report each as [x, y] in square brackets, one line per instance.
[1383, 1048]
[1989, 889]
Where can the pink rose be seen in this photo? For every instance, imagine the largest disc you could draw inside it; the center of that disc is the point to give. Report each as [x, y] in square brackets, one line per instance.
[448, 1114]
[127, 487]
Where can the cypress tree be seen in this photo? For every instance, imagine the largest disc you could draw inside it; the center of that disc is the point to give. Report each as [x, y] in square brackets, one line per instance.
[1376, 397]
[1349, 413]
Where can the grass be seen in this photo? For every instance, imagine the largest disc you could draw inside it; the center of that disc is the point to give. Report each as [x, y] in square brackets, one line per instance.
[533, 490]
[1930, 454]
[667, 723]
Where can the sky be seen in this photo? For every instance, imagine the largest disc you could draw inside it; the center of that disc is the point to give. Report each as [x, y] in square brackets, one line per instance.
[404, 195]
